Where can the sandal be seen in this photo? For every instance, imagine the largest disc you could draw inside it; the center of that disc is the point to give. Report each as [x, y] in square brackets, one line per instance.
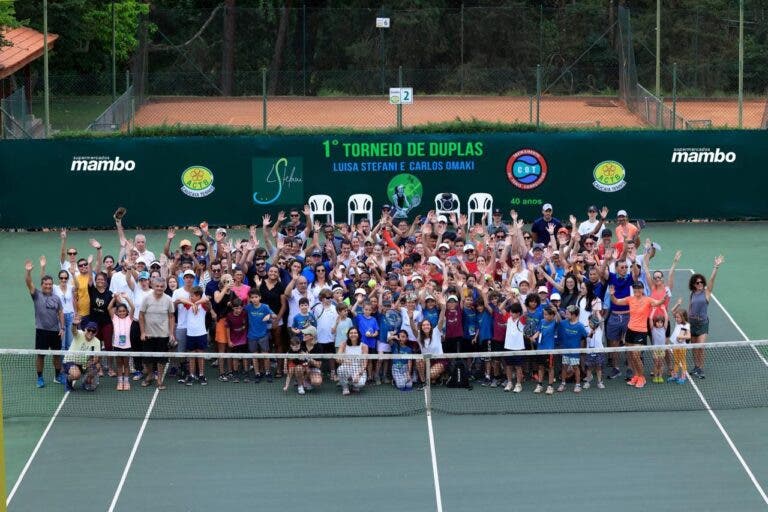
[160, 385]
[119, 213]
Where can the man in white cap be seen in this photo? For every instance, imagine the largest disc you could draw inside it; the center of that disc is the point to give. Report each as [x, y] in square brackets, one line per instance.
[624, 229]
[539, 228]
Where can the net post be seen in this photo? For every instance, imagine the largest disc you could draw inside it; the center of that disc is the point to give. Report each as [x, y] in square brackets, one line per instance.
[3, 491]
[428, 383]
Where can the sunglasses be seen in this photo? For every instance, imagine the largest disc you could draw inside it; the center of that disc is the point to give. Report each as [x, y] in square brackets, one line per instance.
[91, 330]
[82, 264]
[698, 282]
[443, 250]
[658, 278]
[199, 250]
[527, 237]
[320, 270]
[260, 263]
[64, 278]
[215, 270]
[469, 250]
[72, 253]
[294, 215]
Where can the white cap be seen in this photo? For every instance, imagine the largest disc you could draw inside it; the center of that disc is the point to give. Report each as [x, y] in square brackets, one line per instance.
[554, 296]
[444, 245]
[442, 218]
[221, 230]
[469, 247]
[453, 297]
[359, 291]
[416, 277]
[429, 297]
[141, 259]
[622, 213]
[546, 207]
[434, 260]
[188, 273]
[543, 289]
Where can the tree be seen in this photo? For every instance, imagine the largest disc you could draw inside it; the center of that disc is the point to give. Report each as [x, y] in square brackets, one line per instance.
[7, 18]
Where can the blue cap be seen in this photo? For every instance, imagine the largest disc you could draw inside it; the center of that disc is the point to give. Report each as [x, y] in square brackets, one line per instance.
[143, 275]
[92, 325]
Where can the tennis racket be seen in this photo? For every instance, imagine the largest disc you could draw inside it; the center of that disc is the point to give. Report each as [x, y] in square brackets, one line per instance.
[394, 318]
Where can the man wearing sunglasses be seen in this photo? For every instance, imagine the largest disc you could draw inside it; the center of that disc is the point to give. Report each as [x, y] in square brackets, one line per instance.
[82, 370]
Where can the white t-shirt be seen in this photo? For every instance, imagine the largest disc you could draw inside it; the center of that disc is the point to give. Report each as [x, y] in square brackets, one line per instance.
[588, 226]
[596, 340]
[195, 321]
[406, 324]
[514, 339]
[326, 319]
[118, 283]
[674, 337]
[293, 304]
[138, 298]
[180, 294]
[66, 298]
[433, 346]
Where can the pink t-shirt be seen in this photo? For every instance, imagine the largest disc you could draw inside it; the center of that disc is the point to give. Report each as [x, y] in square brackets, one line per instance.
[122, 332]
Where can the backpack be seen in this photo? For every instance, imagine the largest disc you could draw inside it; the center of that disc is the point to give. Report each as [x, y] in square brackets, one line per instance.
[458, 375]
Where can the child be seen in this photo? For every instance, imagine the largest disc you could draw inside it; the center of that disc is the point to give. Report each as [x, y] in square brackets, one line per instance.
[402, 368]
[454, 327]
[237, 340]
[483, 336]
[343, 324]
[595, 361]
[544, 339]
[296, 368]
[369, 329]
[387, 329]
[121, 337]
[571, 333]
[197, 335]
[514, 341]
[659, 339]
[498, 331]
[303, 319]
[259, 325]
[680, 336]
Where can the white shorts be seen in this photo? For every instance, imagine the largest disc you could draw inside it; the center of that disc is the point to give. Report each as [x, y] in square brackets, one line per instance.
[383, 347]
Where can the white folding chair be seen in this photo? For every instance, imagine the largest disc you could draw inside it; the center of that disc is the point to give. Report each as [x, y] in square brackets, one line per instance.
[359, 204]
[447, 203]
[482, 204]
[320, 205]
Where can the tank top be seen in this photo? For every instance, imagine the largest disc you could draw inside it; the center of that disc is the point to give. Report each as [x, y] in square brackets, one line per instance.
[697, 309]
[356, 350]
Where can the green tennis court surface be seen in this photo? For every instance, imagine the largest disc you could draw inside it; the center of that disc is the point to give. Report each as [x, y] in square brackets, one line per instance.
[336, 453]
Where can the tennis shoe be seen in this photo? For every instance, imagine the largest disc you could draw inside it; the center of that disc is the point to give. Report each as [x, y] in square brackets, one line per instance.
[600, 385]
[223, 378]
[518, 388]
[640, 383]
[495, 383]
[136, 375]
[538, 389]
[701, 375]
[301, 390]
[680, 380]
[508, 387]
[202, 380]
[577, 388]
[672, 378]
[550, 390]
[345, 391]
[269, 377]
[588, 379]
[614, 373]
[257, 378]
[586, 384]
[486, 381]
[40, 382]
[189, 380]
[632, 381]
[561, 387]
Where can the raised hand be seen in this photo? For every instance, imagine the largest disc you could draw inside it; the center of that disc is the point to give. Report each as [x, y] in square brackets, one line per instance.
[611, 289]
[90, 259]
[280, 216]
[513, 214]
[197, 232]
[28, 265]
[171, 233]
[719, 260]
[648, 244]
[604, 212]
[463, 220]
[572, 219]
[316, 225]
[42, 261]
[307, 211]
[204, 227]
[677, 256]
[266, 219]
[94, 243]
[551, 228]
[63, 233]
[252, 231]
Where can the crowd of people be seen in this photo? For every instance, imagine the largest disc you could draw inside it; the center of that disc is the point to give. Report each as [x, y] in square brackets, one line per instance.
[434, 285]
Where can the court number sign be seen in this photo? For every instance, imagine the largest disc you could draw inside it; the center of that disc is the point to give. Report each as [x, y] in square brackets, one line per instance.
[401, 95]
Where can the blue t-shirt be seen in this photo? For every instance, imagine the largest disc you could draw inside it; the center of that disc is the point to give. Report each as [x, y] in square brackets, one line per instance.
[485, 325]
[470, 319]
[547, 338]
[432, 315]
[366, 324]
[257, 327]
[622, 289]
[303, 321]
[571, 335]
[385, 327]
[400, 349]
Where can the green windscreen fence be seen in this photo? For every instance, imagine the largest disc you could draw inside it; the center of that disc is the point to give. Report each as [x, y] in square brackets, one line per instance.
[234, 180]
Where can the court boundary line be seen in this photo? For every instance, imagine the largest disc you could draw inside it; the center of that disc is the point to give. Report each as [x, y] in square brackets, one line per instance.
[433, 454]
[731, 444]
[36, 449]
[134, 449]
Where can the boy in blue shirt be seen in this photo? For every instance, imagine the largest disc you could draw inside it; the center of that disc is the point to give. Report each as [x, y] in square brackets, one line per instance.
[369, 331]
[544, 339]
[571, 334]
[402, 368]
[303, 319]
[259, 325]
[483, 336]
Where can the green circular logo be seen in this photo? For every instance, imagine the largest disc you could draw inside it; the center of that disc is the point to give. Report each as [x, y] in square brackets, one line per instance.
[197, 181]
[609, 176]
[404, 192]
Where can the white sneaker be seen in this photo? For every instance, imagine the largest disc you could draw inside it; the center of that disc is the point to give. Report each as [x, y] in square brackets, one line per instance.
[586, 385]
[588, 378]
[518, 388]
[561, 387]
[550, 390]
[577, 388]
[600, 385]
[345, 391]
[508, 387]
[538, 389]
[301, 390]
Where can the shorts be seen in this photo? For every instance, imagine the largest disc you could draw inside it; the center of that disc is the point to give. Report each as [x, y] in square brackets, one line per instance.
[121, 349]
[221, 331]
[197, 342]
[326, 348]
[372, 350]
[156, 345]
[636, 338]
[497, 346]
[259, 345]
[545, 360]
[414, 346]
[383, 348]
[699, 327]
[595, 360]
[239, 349]
[571, 361]
[47, 340]
[514, 360]
[181, 339]
[616, 326]
[484, 346]
[454, 345]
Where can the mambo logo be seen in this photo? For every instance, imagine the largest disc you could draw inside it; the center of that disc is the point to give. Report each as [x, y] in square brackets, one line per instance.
[702, 155]
[101, 163]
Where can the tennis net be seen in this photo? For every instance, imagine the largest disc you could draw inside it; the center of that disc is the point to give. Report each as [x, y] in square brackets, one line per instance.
[736, 375]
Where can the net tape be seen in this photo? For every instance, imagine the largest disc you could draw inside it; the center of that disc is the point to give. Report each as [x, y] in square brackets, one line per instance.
[735, 378]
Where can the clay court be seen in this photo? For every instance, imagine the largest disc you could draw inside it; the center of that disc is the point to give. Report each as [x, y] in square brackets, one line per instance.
[376, 112]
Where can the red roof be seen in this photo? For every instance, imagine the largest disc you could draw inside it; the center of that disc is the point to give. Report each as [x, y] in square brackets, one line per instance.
[26, 45]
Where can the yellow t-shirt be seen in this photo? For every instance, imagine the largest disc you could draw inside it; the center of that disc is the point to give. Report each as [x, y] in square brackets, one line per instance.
[80, 344]
[83, 299]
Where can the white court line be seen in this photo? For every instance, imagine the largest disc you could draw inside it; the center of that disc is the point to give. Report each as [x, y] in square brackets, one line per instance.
[737, 326]
[133, 451]
[436, 476]
[730, 443]
[34, 452]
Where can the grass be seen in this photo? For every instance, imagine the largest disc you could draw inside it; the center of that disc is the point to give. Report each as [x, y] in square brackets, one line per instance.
[72, 113]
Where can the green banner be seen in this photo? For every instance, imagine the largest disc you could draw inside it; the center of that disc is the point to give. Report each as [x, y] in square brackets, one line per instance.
[234, 180]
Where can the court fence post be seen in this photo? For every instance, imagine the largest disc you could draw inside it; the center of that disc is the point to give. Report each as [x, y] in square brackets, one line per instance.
[400, 104]
[264, 99]
[428, 383]
[538, 95]
[674, 95]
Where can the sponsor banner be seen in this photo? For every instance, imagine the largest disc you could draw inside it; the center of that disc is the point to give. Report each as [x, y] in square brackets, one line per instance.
[235, 180]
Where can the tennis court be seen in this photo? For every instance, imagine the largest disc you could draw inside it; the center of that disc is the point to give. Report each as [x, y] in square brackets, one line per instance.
[342, 455]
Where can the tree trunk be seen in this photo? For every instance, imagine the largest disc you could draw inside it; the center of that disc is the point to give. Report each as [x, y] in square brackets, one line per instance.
[277, 56]
[228, 60]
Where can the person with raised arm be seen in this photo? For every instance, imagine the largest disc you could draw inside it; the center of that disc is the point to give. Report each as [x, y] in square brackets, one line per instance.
[698, 316]
[49, 323]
